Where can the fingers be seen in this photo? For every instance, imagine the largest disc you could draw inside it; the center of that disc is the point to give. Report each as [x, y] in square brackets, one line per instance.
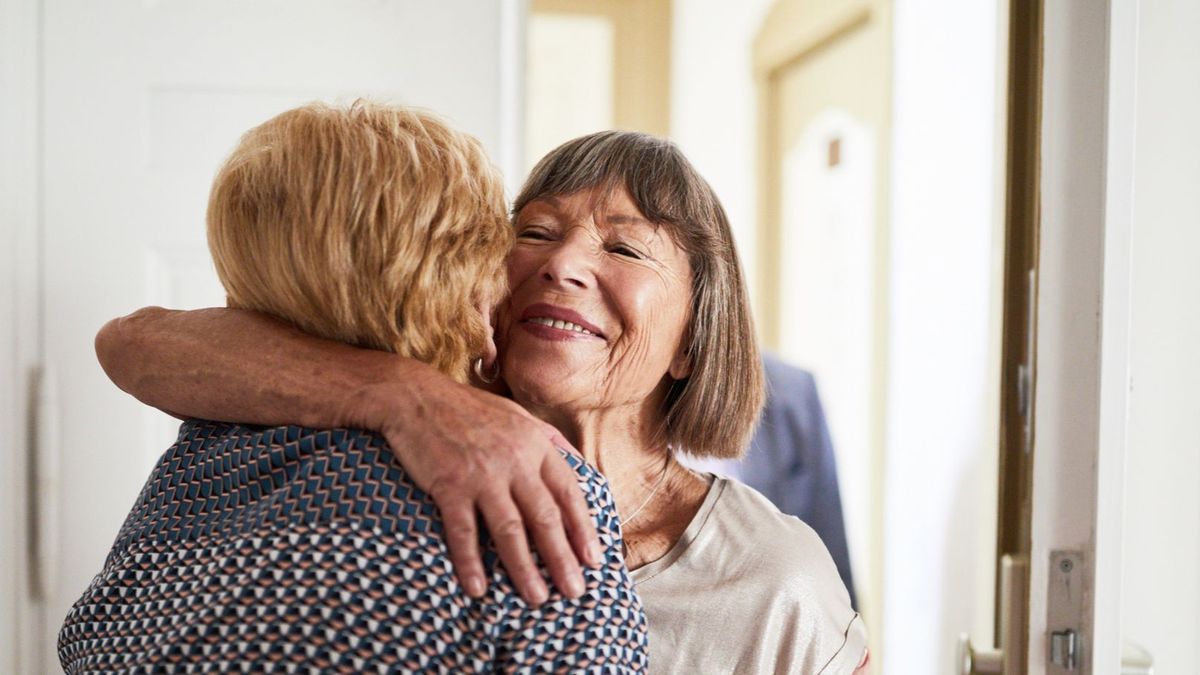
[561, 441]
[544, 521]
[581, 528]
[462, 538]
[503, 467]
[508, 531]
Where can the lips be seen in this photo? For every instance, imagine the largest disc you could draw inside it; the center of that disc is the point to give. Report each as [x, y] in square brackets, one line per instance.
[542, 316]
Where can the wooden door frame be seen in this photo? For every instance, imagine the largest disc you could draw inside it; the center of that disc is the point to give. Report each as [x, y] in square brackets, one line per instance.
[20, 343]
[1022, 172]
[1082, 319]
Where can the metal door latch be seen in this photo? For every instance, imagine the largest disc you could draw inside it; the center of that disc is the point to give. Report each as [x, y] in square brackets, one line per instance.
[1064, 649]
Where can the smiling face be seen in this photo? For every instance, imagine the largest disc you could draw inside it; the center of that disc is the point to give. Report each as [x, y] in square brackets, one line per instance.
[600, 304]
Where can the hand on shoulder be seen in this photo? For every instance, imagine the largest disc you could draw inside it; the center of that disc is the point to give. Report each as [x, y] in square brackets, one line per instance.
[474, 451]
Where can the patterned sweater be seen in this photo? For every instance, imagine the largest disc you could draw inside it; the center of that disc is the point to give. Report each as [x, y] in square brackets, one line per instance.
[298, 550]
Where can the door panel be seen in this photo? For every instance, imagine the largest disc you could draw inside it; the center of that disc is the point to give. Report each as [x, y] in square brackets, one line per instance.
[1160, 578]
[143, 98]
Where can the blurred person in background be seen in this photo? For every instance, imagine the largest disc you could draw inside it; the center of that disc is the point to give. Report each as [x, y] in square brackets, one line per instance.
[628, 329]
[277, 548]
[791, 460]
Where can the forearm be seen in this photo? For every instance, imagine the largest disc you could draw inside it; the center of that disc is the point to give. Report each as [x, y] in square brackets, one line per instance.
[242, 366]
[471, 450]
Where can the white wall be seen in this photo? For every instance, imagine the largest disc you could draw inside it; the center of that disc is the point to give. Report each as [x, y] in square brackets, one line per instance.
[1161, 578]
[18, 317]
[943, 407]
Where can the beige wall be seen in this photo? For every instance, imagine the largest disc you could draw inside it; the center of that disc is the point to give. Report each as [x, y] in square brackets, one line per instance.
[1161, 579]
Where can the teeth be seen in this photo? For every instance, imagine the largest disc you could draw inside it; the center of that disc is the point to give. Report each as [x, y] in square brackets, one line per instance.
[561, 325]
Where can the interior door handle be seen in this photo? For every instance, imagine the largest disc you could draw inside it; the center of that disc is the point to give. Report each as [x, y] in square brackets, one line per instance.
[1006, 659]
[1135, 660]
[971, 660]
[44, 486]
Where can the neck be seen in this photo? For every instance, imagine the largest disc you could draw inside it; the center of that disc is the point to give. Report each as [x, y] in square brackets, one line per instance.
[621, 442]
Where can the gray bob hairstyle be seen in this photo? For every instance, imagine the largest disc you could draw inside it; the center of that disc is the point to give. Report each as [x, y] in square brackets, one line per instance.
[712, 412]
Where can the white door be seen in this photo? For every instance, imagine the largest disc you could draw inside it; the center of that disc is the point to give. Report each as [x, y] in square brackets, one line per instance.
[1118, 410]
[142, 99]
[1160, 581]
[1082, 331]
[1059, 599]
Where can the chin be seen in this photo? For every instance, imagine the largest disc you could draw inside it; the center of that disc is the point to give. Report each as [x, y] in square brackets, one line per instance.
[535, 382]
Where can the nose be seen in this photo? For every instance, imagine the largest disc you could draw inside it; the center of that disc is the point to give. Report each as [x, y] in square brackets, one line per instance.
[571, 262]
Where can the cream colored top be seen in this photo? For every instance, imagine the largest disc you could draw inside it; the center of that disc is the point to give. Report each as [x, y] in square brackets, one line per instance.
[747, 589]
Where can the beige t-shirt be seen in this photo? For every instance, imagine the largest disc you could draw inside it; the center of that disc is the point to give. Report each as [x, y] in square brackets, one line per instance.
[748, 589]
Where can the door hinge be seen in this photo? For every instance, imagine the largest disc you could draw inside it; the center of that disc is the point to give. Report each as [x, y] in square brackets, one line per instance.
[1025, 370]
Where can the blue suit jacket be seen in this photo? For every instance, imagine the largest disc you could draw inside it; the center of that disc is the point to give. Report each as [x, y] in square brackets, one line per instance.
[791, 459]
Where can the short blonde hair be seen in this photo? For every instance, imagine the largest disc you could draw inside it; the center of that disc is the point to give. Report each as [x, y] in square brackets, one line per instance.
[712, 412]
[378, 226]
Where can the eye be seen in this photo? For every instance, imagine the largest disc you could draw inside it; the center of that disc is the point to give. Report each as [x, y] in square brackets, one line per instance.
[534, 232]
[626, 250]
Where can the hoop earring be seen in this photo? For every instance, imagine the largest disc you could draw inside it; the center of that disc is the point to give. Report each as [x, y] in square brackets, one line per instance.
[478, 366]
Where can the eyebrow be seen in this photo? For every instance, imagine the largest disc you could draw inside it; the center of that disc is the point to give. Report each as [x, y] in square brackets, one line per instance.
[615, 219]
[622, 219]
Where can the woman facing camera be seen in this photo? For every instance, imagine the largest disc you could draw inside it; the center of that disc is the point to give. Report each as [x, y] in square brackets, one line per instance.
[628, 329]
[258, 548]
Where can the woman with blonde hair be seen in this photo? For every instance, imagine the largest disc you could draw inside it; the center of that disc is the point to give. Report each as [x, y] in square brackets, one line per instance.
[290, 548]
[628, 328]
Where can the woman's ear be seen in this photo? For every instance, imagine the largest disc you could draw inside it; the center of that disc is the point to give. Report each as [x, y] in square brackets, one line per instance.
[488, 317]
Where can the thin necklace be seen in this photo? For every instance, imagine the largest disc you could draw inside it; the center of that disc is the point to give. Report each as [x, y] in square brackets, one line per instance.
[661, 476]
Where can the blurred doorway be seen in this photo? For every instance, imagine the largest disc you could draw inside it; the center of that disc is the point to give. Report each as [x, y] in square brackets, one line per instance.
[823, 70]
[592, 65]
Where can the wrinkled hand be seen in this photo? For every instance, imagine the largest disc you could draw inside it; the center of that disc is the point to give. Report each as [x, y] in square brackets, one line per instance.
[471, 450]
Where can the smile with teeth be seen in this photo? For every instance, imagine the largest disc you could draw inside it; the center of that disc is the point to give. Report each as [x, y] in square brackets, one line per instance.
[561, 325]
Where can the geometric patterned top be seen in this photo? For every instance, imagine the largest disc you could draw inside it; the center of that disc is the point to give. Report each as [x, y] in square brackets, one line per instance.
[287, 549]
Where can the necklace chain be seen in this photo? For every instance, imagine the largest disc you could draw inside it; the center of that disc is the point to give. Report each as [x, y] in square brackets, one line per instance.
[661, 477]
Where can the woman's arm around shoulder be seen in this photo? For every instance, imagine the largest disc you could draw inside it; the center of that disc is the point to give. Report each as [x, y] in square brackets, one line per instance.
[468, 448]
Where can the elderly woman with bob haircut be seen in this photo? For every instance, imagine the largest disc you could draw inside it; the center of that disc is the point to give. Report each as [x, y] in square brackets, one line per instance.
[279, 548]
[627, 328]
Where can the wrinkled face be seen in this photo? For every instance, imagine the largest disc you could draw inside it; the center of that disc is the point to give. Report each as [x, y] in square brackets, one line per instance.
[600, 304]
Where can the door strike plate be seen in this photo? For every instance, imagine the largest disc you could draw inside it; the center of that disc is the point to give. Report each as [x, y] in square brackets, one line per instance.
[1064, 613]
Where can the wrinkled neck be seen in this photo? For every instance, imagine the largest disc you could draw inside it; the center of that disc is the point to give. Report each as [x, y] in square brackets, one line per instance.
[621, 441]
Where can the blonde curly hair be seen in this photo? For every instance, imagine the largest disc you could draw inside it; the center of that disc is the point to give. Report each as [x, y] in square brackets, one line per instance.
[374, 225]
